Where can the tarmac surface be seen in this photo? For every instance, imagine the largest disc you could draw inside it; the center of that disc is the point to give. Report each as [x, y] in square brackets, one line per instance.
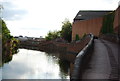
[104, 61]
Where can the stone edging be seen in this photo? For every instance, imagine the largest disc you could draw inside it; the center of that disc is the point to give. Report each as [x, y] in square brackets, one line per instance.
[79, 59]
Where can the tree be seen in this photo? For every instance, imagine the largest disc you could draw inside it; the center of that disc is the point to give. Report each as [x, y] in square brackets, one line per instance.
[52, 35]
[9, 44]
[66, 32]
[5, 33]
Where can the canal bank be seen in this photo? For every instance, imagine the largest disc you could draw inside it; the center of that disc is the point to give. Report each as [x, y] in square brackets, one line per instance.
[68, 50]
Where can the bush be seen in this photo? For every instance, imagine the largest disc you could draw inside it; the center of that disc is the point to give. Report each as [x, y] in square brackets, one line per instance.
[77, 37]
[84, 35]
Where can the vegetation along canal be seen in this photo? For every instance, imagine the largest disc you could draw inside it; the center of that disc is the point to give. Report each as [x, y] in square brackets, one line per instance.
[32, 64]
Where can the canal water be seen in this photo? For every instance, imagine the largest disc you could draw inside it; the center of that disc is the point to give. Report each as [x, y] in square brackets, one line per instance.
[32, 64]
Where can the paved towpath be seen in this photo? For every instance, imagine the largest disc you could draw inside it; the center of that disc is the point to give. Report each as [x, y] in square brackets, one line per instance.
[104, 61]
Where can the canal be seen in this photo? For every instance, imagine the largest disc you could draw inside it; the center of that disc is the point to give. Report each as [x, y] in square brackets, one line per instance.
[32, 64]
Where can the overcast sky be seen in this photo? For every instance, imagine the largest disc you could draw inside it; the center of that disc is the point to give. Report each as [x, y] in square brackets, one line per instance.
[36, 17]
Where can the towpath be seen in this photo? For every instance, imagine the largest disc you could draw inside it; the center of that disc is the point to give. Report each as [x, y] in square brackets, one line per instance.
[104, 61]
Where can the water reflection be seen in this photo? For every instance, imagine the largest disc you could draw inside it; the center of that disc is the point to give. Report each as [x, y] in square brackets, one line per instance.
[30, 64]
[64, 68]
[64, 65]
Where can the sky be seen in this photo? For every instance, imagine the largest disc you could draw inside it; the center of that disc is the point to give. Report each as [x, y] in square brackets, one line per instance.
[35, 18]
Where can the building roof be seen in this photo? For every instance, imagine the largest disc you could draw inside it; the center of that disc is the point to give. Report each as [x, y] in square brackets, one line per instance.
[89, 14]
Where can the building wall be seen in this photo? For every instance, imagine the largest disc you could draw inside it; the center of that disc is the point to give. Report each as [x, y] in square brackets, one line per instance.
[117, 20]
[94, 25]
[86, 26]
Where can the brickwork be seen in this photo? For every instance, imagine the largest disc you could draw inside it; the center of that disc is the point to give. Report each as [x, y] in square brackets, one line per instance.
[94, 25]
[86, 26]
[117, 20]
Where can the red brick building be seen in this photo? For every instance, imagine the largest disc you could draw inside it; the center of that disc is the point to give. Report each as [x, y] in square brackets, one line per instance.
[91, 22]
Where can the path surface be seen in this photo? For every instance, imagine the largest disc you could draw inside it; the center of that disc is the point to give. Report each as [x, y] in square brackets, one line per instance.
[104, 61]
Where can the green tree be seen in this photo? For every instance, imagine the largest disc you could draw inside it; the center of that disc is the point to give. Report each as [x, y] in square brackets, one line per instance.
[9, 44]
[52, 35]
[5, 33]
[66, 32]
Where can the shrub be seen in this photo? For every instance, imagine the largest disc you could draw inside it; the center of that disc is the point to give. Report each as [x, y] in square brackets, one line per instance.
[77, 37]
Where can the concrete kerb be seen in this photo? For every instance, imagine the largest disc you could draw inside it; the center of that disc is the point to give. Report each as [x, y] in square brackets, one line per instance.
[79, 59]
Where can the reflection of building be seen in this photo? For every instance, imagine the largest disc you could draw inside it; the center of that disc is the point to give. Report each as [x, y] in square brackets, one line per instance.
[91, 22]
